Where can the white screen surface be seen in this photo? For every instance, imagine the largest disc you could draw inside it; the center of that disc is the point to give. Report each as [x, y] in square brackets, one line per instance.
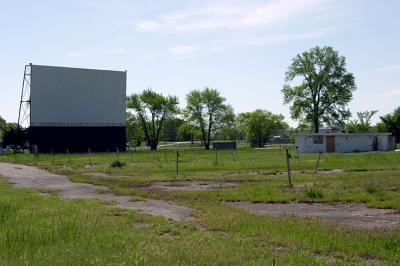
[63, 96]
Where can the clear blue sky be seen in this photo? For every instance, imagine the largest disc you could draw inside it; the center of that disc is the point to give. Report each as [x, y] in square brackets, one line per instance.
[242, 48]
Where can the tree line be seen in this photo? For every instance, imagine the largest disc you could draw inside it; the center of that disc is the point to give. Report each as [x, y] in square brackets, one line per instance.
[317, 88]
[153, 117]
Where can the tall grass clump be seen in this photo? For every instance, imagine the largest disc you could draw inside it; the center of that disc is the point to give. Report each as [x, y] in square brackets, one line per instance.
[314, 193]
[117, 164]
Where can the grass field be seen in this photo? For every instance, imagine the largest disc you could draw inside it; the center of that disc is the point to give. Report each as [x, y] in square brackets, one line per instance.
[48, 230]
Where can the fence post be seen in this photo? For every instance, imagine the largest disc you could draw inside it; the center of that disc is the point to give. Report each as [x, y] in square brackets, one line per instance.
[298, 154]
[69, 158]
[90, 158]
[317, 166]
[177, 163]
[216, 156]
[36, 151]
[165, 153]
[288, 167]
[117, 150]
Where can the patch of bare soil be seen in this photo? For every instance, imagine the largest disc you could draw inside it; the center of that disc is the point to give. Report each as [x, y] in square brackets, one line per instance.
[28, 176]
[330, 171]
[279, 173]
[65, 168]
[187, 185]
[95, 174]
[356, 215]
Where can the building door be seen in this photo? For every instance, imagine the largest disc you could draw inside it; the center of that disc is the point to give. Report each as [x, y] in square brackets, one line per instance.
[330, 144]
[375, 143]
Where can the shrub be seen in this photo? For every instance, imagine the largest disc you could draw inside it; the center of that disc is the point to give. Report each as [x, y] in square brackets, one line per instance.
[314, 193]
[371, 189]
[117, 163]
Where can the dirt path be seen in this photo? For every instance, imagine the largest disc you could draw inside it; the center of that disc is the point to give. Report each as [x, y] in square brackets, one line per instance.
[29, 176]
[356, 215]
[192, 185]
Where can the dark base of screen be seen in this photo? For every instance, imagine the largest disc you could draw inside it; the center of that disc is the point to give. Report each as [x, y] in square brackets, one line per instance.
[78, 139]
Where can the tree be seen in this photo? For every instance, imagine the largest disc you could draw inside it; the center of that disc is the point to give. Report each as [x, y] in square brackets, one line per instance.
[134, 131]
[206, 109]
[15, 137]
[362, 123]
[229, 128]
[170, 128]
[391, 123]
[188, 132]
[324, 90]
[3, 125]
[151, 109]
[260, 125]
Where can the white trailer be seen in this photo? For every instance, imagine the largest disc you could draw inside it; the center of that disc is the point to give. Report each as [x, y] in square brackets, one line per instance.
[344, 142]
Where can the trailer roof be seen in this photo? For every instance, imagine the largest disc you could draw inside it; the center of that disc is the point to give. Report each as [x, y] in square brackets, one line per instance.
[344, 134]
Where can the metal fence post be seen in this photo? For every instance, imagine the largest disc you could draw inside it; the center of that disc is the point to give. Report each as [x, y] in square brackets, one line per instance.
[90, 158]
[317, 166]
[177, 163]
[288, 167]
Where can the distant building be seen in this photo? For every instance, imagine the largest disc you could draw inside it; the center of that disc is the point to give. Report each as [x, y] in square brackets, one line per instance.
[344, 142]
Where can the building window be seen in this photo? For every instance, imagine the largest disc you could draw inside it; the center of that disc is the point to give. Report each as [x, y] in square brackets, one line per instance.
[318, 139]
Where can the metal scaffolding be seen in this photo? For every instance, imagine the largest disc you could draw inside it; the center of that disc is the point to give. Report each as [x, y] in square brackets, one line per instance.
[25, 103]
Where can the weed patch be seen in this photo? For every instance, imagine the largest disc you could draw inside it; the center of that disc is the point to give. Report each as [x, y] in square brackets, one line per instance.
[117, 164]
[314, 193]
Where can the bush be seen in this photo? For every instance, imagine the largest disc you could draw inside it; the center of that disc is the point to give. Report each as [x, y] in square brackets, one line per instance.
[117, 163]
[314, 193]
[15, 137]
[371, 189]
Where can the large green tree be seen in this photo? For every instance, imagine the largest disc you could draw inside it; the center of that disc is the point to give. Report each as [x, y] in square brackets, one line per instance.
[228, 129]
[3, 125]
[188, 132]
[260, 124]
[152, 108]
[391, 123]
[134, 130]
[170, 128]
[207, 109]
[362, 123]
[318, 88]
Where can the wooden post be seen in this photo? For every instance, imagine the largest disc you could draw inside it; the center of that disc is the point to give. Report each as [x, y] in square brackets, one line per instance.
[90, 158]
[298, 154]
[165, 153]
[69, 158]
[36, 151]
[317, 166]
[216, 156]
[177, 163]
[288, 167]
[117, 150]
[165, 145]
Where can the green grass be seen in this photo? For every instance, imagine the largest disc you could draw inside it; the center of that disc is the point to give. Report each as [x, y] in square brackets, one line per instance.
[46, 230]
